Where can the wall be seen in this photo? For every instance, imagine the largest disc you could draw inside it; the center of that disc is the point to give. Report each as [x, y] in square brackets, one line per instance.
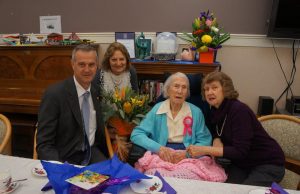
[256, 72]
[236, 16]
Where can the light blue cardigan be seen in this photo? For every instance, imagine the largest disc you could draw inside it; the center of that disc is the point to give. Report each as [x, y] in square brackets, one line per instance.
[152, 133]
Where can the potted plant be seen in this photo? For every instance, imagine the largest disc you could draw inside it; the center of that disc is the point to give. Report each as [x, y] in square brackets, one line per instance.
[206, 37]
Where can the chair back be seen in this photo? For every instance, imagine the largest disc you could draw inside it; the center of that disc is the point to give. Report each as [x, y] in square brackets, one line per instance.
[5, 135]
[108, 143]
[285, 129]
[35, 155]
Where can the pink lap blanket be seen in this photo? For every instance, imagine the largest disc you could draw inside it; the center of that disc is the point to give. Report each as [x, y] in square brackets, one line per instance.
[203, 168]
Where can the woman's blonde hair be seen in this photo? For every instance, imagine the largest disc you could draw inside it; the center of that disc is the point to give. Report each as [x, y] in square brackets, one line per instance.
[115, 46]
[225, 81]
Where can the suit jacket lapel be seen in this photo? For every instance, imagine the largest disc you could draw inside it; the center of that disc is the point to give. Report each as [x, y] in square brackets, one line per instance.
[96, 101]
[73, 100]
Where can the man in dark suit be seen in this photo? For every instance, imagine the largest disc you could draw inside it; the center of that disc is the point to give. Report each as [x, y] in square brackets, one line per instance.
[64, 132]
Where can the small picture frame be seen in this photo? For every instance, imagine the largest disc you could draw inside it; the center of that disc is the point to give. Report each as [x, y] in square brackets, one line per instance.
[50, 24]
[128, 40]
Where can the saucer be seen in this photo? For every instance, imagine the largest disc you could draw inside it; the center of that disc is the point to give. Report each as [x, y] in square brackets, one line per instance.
[147, 185]
[38, 170]
[11, 188]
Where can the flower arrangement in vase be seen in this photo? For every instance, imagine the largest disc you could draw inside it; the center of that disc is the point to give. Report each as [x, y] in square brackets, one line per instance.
[123, 110]
[207, 36]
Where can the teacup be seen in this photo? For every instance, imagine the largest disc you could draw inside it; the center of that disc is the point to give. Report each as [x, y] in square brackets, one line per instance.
[5, 180]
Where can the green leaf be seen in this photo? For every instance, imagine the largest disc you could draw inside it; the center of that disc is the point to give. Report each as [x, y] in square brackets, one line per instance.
[122, 114]
[185, 39]
[136, 121]
[140, 115]
[224, 38]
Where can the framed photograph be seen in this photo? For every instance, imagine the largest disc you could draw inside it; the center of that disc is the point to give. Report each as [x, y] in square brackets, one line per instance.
[128, 40]
[50, 24]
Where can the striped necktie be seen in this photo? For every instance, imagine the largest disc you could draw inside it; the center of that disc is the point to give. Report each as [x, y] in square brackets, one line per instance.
[85, 108]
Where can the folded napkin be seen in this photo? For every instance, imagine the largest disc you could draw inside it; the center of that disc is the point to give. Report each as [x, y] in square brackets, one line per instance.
[166, 187]
[120, 174]
[277, 189]
[47, 187]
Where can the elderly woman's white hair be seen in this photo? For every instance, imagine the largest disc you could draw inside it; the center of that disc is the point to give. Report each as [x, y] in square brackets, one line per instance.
[170, 81]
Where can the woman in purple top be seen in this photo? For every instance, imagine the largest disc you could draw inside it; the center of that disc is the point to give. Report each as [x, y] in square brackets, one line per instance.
[255, 158]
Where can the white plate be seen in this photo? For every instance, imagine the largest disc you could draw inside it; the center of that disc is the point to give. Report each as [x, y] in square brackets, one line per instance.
[11, 188]
[147, 185]
[38, 170]
[260, 191]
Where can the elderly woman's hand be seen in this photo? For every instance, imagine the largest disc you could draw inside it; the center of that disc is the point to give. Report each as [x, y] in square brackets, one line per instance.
[195, 150]
[178, 156]
[166, 154]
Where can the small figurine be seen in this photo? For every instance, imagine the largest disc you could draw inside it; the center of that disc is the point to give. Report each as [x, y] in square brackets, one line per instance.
[142, 45]
[187, 54]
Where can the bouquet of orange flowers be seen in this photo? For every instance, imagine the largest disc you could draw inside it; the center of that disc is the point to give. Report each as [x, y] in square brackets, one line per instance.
[126, 105]
[123, 109]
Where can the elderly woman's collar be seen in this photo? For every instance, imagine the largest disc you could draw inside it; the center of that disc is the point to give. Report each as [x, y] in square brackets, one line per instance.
[165, 107]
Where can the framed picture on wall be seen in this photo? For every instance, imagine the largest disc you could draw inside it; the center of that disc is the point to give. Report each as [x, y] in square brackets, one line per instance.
[50, 24]
[127, 38]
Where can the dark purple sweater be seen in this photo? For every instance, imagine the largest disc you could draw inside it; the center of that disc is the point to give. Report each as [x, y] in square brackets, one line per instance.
[246, 143]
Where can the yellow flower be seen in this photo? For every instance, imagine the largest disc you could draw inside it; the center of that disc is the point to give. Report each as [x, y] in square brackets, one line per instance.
[127, 107]
[133, 100]
[117, 96]
[194, 44]
[140, 103]
[203, 49]
[206, 39]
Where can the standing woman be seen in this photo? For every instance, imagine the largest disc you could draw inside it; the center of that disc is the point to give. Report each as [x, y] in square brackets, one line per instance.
[116, 71]
[256, 158]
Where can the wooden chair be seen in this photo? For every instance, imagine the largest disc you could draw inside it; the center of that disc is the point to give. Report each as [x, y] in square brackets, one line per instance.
[35, 155]
[285, 130]
[117, 144]
[5, 135]
[108, 143]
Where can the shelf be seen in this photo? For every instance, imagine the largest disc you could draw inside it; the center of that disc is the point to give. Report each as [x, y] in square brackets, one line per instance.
[159, 68]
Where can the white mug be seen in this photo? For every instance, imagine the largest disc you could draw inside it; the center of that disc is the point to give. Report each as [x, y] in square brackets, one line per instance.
[5, 180]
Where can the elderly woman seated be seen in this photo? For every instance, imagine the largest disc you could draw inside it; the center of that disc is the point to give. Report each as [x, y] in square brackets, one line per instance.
[168, 129]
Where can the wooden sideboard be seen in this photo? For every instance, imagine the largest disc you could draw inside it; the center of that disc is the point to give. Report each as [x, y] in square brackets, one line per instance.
[26, 71]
